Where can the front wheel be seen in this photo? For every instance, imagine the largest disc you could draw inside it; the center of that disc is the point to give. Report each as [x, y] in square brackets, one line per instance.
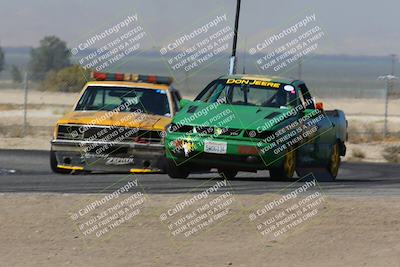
[286, 171]
[176, 171]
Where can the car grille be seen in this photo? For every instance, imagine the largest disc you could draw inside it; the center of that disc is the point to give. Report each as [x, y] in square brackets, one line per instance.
[181, 128]
[205, 130]
[107, 134]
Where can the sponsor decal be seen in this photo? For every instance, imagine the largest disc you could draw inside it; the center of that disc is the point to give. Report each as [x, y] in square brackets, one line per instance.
[253, 82]
[119, 161]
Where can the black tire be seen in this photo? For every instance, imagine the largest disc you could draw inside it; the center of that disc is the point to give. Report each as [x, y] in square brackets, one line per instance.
[327, 172]
[330, 171]
[177, 171]
[227, 174]
[286, 171]
[54, 163]
[334, 163]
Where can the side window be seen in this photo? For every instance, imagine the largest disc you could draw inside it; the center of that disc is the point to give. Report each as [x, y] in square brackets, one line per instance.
[307, 100]
[98, 98]
[223, 93]
[302, 101]
[206, 94]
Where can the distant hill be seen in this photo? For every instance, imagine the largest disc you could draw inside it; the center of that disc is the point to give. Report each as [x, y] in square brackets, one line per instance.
[332, 75]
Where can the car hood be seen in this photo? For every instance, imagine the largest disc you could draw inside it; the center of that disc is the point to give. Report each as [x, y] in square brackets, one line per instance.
[230, 116]
[121, 119]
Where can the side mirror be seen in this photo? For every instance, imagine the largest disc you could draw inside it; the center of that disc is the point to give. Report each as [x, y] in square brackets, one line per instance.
[183, 102]
[319, 105]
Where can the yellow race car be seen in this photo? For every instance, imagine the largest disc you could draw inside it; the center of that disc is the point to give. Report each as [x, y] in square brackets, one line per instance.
[116, 125]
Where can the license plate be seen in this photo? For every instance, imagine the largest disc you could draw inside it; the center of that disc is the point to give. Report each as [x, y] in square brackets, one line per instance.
[215, 147]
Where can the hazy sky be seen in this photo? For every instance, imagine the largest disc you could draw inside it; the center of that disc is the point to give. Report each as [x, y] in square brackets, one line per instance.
[361, 27]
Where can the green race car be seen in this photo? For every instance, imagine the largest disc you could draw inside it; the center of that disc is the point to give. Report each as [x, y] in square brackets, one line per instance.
[252, 122]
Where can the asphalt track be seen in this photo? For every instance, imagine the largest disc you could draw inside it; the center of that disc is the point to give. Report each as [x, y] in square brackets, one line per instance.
[28, 171]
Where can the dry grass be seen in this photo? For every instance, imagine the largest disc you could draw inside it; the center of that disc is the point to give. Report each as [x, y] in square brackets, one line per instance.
[61, 111]
[358, 153]
[367, 133]
[392, 154]
[9, 106]
[18, 131]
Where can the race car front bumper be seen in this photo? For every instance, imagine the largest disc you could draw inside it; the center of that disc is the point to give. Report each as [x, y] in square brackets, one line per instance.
[239, 153]
[109, 156]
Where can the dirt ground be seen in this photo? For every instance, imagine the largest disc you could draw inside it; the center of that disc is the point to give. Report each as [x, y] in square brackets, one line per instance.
[371, 152]
[36, 230]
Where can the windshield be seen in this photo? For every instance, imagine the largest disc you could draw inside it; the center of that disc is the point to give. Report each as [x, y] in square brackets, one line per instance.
[125, 99]
[249, 92]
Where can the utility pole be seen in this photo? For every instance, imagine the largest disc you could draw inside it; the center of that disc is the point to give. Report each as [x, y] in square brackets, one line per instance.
[232, 61]
[389, 87]
[385, 126]
[394, 57]
[24, 130]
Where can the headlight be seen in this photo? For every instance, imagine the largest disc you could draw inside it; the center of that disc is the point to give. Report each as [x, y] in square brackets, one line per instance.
[168, 128]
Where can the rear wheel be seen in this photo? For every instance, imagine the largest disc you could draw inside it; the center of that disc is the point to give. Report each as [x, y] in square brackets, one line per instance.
[227, 174]
[177, 171]
[327, 172]
[54, 164]
[334, 162]
[286, 171]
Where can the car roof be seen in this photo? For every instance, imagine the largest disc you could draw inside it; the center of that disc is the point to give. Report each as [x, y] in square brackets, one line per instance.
[260, 77]
[154, 86]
